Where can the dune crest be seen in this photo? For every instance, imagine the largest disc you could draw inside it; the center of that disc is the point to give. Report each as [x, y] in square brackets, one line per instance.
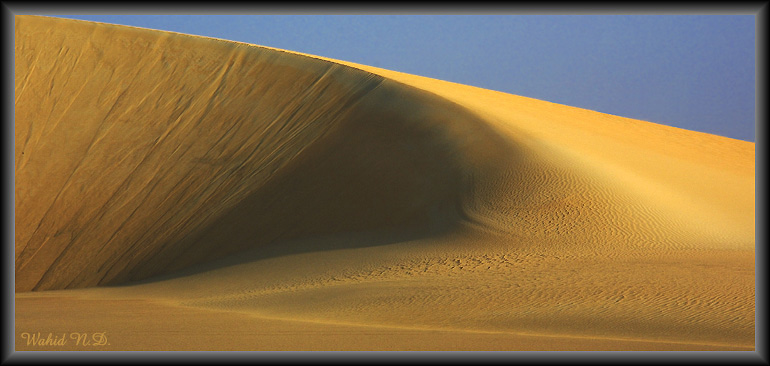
[242, 179]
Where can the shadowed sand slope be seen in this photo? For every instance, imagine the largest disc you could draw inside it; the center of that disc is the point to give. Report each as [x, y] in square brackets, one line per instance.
[173, 154]
[269, 185]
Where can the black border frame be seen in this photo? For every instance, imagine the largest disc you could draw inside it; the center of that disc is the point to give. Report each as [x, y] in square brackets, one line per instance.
[11, 8]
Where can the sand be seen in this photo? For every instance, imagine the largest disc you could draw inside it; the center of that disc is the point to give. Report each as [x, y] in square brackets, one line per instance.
[176, 192]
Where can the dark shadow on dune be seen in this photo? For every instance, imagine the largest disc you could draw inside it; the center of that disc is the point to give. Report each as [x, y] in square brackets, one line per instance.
[395, 169]
[209, 148]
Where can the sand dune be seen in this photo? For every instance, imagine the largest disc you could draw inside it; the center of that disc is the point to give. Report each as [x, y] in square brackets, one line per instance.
[164, 181]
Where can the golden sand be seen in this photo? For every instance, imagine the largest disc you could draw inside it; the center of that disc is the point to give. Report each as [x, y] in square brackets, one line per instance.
[176, 192]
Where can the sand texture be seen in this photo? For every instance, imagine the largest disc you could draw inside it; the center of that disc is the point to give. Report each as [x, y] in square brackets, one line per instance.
[176, 192]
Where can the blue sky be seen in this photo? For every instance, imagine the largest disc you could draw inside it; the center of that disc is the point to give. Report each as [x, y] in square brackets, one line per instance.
[690, 71]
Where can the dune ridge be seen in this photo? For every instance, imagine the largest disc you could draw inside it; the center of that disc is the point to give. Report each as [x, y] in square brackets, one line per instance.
[242, 179]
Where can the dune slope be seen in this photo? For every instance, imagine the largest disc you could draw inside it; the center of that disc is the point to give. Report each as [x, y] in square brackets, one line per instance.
[145, 164]
[246, 181]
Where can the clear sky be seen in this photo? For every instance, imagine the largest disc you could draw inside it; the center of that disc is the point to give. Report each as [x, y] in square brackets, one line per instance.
[690, 71]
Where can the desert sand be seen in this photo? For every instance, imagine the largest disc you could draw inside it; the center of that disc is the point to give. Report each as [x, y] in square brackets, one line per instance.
[177, 192]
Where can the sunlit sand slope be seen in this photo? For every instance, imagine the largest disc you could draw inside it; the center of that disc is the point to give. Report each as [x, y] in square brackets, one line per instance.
[246, 181]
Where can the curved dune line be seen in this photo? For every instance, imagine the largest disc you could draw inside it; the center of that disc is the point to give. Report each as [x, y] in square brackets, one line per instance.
[148, 152]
